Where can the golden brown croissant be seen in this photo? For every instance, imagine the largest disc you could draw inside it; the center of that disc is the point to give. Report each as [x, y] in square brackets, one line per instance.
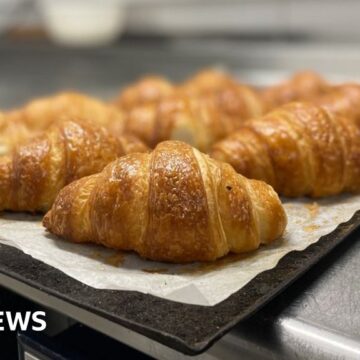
[343, 100]
[33, 174]
[12, 132]
[147, 90]
[304, 85]
[196, 120]
[205, 82]
[40, 113]
[299, 149]
[151, 89]
[174, 204]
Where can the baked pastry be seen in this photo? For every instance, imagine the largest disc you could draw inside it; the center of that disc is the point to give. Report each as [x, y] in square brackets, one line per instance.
[304, 85]
[152, 88]
[34, 173]
[39, 114]
[206, 81]
[174, 204]
[11, 133]
[202, 110]
[343, 100]
[197, 120]
[147, 90]
[299, 149]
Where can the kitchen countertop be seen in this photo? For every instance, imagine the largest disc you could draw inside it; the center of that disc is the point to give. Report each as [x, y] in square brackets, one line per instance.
[319, 315]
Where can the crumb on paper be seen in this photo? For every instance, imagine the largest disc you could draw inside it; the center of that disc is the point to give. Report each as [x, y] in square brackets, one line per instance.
[313, 209]
[311, 228]
[215, 265]
[96, 255]
[116, 259]
[156, 270]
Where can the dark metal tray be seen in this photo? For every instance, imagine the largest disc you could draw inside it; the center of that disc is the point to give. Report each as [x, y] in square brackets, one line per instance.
[190, 329]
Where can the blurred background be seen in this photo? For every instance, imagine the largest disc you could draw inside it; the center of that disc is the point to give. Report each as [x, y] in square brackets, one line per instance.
[96, 22]
[97, 46]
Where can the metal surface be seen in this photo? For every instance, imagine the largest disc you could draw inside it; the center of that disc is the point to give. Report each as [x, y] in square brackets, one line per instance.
[318, 317]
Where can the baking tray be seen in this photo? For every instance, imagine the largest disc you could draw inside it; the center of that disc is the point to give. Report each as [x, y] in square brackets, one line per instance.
[190, 329]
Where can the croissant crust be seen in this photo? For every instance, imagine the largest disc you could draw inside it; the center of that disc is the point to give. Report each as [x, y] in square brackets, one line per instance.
[303, 86]
[343, 100]
[197, 120]
[33, 174]
[174, 204]
[299, 149]
[17, 126]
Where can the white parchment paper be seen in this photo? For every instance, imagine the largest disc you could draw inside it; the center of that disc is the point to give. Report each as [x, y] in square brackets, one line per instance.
[202, 284]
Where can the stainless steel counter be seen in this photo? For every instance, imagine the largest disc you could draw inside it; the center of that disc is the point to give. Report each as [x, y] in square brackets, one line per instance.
[318, 317]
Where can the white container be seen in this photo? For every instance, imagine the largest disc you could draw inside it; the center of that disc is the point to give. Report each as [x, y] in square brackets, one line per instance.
[82, 22]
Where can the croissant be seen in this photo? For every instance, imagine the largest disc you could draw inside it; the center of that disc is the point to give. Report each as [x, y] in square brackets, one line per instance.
[343, 100]
[12, 132]
[299, 149]
[41, 113]
[205, 82]
[304, 86]
[197, 120]
[174, 204]
[147, 90]
[152, 88]
[34, 173]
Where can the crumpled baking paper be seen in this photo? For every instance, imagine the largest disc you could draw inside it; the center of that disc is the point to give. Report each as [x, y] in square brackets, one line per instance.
[201, 284]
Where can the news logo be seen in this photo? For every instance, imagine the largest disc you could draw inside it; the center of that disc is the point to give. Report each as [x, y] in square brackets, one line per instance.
[15, 321]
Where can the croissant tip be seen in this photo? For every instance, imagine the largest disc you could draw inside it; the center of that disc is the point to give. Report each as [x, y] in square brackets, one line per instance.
[46, 220]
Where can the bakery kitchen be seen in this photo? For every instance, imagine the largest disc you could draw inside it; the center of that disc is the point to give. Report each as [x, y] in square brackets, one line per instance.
[22, 321]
